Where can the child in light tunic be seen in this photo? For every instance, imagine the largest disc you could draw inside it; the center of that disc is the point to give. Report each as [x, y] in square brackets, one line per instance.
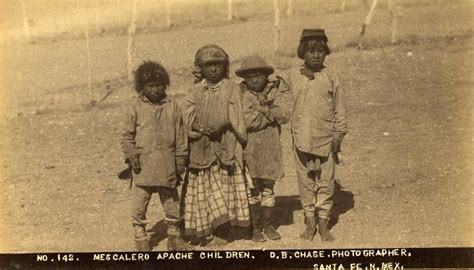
[215, 186]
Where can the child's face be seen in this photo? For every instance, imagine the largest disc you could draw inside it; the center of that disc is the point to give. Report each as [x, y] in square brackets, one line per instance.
[256, 81]
[213, 72]
[154, 90]
[315, 54]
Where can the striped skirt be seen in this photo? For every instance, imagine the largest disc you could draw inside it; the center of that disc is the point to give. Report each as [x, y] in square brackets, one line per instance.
[212, 197]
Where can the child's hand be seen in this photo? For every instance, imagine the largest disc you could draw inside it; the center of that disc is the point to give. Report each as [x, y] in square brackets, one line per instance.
[180, 169]
[261, 108]
[202, 130]
[135, 162]
[262, 100]
[336, 144]
[207, 131]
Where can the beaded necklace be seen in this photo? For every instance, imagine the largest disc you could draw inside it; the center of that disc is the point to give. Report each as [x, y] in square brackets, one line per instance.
[213, 88]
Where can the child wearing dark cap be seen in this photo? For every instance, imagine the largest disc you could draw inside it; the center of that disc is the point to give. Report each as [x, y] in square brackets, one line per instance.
[318, 126]
[266, 108]
[154, 144]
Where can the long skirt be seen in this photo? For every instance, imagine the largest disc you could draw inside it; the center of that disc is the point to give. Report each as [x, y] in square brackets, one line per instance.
[213, 196]
[236, 195]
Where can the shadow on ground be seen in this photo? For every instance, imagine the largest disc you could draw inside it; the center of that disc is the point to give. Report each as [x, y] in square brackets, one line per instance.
[158, 233]
[284, 208]
[343, 202]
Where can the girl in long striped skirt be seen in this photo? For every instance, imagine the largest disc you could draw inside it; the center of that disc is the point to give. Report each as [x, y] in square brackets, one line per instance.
[215, 189]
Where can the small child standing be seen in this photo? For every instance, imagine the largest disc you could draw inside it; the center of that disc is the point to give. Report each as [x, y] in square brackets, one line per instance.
[154, 144]
[265, 106]
[318, 125]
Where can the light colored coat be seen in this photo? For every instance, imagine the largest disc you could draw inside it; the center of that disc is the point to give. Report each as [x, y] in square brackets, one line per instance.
[219, 110]
[154, 132]
[319, 111]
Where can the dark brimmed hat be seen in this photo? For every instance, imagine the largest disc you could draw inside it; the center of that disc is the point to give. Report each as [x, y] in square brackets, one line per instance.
[254, 64]
[310, 34]
[313, 34]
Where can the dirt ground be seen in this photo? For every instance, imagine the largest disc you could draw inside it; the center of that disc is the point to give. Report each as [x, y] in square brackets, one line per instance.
[407, 173]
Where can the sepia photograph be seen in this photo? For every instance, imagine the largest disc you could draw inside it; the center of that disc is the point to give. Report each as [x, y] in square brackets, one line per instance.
[236, 125]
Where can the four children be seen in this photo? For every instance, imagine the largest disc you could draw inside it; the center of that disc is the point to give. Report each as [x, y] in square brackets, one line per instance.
[230, 129]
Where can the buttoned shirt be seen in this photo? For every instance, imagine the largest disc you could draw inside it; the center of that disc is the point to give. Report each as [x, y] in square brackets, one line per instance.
[319, 111]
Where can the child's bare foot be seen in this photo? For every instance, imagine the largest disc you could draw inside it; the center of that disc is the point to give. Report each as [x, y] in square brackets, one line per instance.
[200, 241]
[310, 231]
[268, 230]
[177, 243]
[218, 241]
[271, 233]
[257, 235]
[142, 245]
[326, 236]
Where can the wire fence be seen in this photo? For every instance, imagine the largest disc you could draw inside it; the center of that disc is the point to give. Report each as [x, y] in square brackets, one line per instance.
[32, 20]
[142, 25]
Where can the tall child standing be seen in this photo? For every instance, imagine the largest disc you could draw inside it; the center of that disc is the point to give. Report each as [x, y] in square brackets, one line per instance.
[153, 141]
[318, 126]
[215, 186]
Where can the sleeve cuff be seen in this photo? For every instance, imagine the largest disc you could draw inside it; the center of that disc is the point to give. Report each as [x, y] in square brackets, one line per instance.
[181, 161]
[194, 135]
[339, 135]
[130, 155]
[267, 112]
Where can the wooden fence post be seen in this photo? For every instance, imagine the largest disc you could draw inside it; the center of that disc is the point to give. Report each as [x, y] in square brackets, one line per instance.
[276, 25]
[130, 48]
[168, 14]
[89, 57]
[367, 21]
[229, 10]
[83, 7]
[394, 13]
[289, 9]
[342, 8]
[26, 24]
